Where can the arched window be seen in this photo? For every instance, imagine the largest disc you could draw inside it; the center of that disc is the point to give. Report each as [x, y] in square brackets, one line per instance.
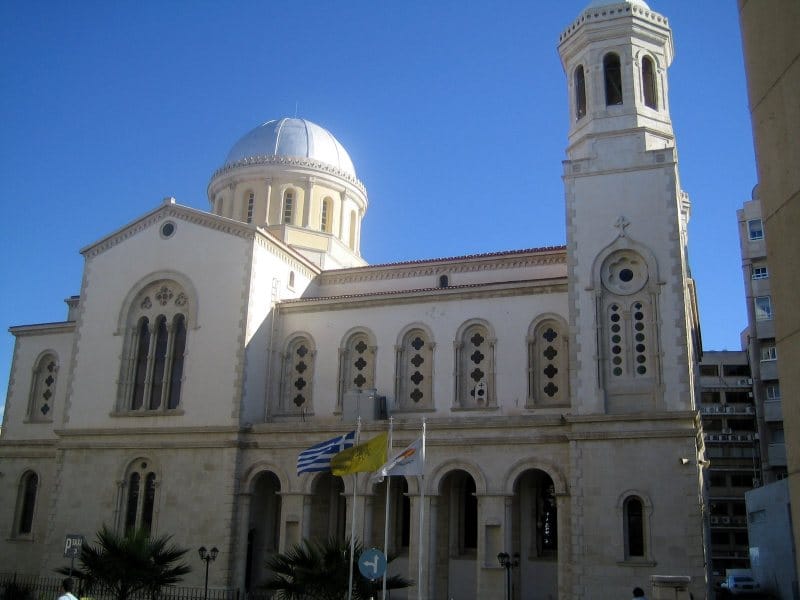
[444, 281]
[649, 87]
[251, 198]
[580, 92]
[325, 215]
[43, 388]
[415, 370]
[633, 511]
[298, 375]
[548, 352]
[357, 365]
[475, 360]
[288, 206]
[460, 510]
[612, 73]
[26, 503]
[155, 345]
[291, 280]
[140, 497]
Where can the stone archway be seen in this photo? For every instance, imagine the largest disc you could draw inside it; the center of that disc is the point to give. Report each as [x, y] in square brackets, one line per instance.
[264, 528]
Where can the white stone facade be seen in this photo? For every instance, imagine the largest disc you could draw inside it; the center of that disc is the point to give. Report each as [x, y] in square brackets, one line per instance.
[208, 349]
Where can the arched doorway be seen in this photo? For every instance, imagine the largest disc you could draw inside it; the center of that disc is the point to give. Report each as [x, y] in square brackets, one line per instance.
[328, 508]
[263, 535]
[534, 536]
[456, 537]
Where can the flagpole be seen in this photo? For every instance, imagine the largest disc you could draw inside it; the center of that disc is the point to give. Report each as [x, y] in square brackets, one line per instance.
[421, 515]
[353, 521]
[386, 512]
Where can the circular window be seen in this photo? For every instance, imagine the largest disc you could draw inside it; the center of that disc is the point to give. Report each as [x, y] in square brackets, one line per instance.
[167, 229]
[624, 272]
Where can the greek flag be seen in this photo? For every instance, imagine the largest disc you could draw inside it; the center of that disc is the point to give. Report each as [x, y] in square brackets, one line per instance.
[318, 457]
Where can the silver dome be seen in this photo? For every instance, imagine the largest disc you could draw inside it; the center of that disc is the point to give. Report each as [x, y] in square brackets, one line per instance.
[296, 138]
[599, 3]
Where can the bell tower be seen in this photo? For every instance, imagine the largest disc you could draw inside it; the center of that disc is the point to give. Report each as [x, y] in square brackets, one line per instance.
[631, 297]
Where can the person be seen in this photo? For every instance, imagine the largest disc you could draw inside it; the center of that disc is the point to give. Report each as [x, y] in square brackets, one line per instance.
[638, 594]
[66, 588]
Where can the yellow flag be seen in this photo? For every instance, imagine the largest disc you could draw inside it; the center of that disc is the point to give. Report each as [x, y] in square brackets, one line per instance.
[368, 456]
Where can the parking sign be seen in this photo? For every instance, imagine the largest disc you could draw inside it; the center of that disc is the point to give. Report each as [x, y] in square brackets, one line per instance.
[72, 545]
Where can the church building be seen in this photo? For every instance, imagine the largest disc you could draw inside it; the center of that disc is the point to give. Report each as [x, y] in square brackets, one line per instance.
[207, 349]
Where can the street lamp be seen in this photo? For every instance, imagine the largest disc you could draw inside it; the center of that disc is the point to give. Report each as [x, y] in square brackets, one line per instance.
[207, 556]
[508, 562]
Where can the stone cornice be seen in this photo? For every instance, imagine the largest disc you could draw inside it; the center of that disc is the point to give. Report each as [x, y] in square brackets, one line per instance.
[458, 264]
[289, 161]
[42, 328]
[612, 11]
[416, 296]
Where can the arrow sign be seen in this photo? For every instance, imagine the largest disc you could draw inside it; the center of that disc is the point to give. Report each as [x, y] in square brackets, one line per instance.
[372, 563]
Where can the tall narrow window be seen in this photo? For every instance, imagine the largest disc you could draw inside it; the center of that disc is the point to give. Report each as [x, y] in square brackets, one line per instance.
[26, 503]
[634, 527]
[288, 207]
[298, 375]
[415, 377]
[475, 360]
[325, 216]
[140, 497]
[649, 83]
[152, 367]
[251, 198]
[356, 365]
[548, 376]
[352, 242]
[43, 388]
[612, 73]
[580, 93]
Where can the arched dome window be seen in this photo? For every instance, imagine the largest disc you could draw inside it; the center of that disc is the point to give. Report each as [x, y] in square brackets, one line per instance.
[288, 206]
[155, 345]
[580, 93]
[251, 198]
[649, 87]
[612, 73]
[325, 215]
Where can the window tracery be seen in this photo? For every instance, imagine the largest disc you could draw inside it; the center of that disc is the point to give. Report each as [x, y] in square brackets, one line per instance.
[298, 375]
[475, 360]
[140, 486]
[357, 364]
[548, 353]
[612, 76]
[155, 346]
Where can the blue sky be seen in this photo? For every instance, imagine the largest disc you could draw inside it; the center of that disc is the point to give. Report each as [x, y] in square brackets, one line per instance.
[448, 108]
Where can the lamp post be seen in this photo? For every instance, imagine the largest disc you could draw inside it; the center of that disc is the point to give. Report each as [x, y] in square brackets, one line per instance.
[207, 556]
[508, 562]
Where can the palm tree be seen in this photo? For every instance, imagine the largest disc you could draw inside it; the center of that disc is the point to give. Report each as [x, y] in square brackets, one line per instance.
[126, 564]
[314, 570]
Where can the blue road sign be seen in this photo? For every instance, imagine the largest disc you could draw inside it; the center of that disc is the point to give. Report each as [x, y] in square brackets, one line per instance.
[372, 563]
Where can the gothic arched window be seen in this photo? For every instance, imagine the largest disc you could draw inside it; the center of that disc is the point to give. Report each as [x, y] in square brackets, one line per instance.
[649, 88]
[155, 345]
[475, 360]
[298, 375]
[633, 511]
[580, 92]
[612, 74]
[415, 370]
[26, 503]
[43, 388]
[548, 353]
[140, 497]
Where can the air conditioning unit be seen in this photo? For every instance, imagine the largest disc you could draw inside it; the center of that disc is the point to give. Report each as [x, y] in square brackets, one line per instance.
[746, 381]
[366, 404]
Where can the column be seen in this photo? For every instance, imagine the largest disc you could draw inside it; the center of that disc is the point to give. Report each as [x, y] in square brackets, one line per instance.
[240, 541]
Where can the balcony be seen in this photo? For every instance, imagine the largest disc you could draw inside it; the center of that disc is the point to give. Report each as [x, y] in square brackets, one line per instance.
[729, 437]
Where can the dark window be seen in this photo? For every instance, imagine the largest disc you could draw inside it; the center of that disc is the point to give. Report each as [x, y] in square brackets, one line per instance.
[443, 281]
[580, 93]
[30, 485]
[709, 370]
[613, 79]
[634, 525]
[159, 362]
[649, 83]
[178, 349]
[736, 370]
[133, 502]
[142, 350]
[470, 530]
